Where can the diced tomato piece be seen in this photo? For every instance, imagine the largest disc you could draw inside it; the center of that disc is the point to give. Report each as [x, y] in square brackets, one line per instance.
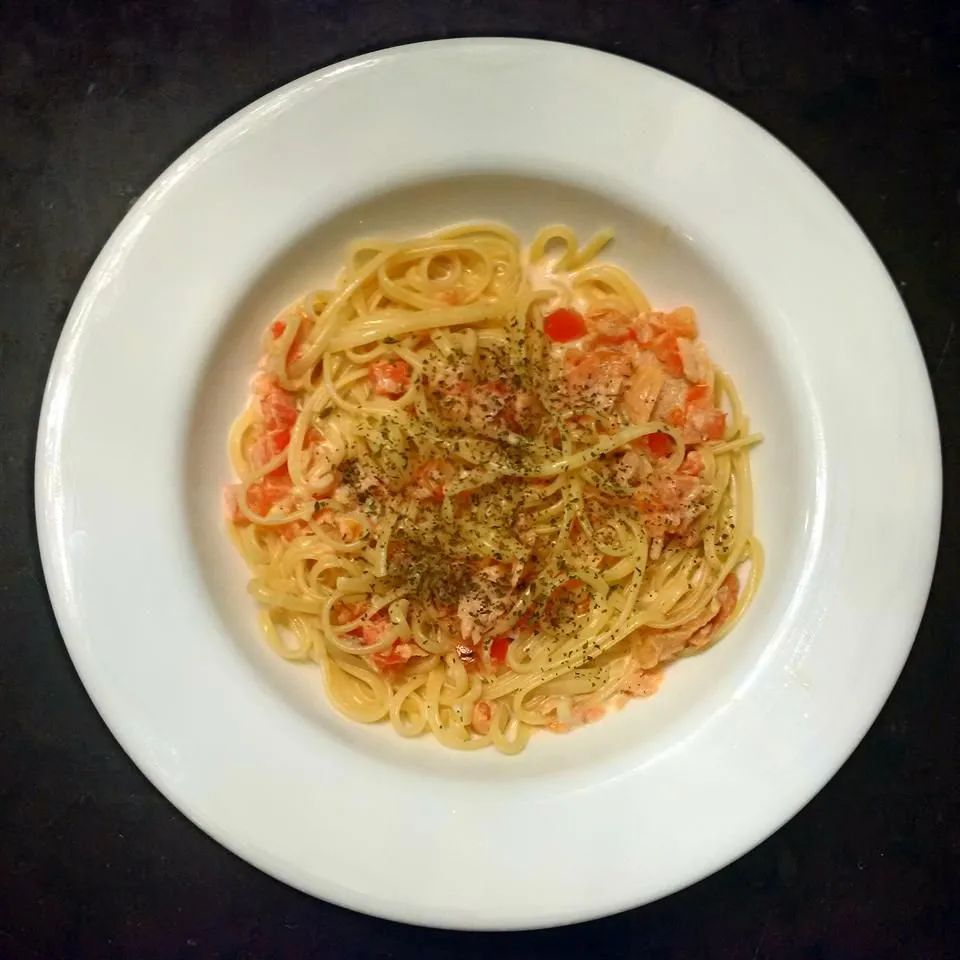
[696, 417]
[676, 417]
[701, 420]
[395, 655]
[266, 492]
[615, 339]
[290, 531]
[704, 424]
[602, 372]
[716, 425]
[234, 515]
[564, 325]
[573, 584]
[481, 716]
[277, 328]
[276, 488]
[299, 339]
[692, 464]
[386, 659]
[665, 349]
[343, 611]
[698, 395]
[646, 333]
[390, 378]
[267, 447]
[372, 630]
[278, 407]
[498, 650]
[681, 322]
[611, 326]
[658, 444]
[428, 480]
[524, 623]
[488, 388]
[727, 594]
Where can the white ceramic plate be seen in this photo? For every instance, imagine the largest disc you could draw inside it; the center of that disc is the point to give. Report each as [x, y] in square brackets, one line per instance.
[155, 360]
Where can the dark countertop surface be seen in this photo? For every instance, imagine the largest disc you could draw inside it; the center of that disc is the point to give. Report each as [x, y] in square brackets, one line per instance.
[95, 100]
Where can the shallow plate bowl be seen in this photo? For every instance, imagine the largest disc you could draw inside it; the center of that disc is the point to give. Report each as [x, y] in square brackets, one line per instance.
[708, 209]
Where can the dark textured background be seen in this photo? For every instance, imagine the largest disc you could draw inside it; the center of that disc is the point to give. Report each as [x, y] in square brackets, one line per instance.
[95, 100]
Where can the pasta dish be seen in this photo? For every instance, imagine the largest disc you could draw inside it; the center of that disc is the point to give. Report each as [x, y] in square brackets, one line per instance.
[488, 488]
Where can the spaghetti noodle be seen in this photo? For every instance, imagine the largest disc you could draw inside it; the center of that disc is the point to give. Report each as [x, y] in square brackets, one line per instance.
[490, 489]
